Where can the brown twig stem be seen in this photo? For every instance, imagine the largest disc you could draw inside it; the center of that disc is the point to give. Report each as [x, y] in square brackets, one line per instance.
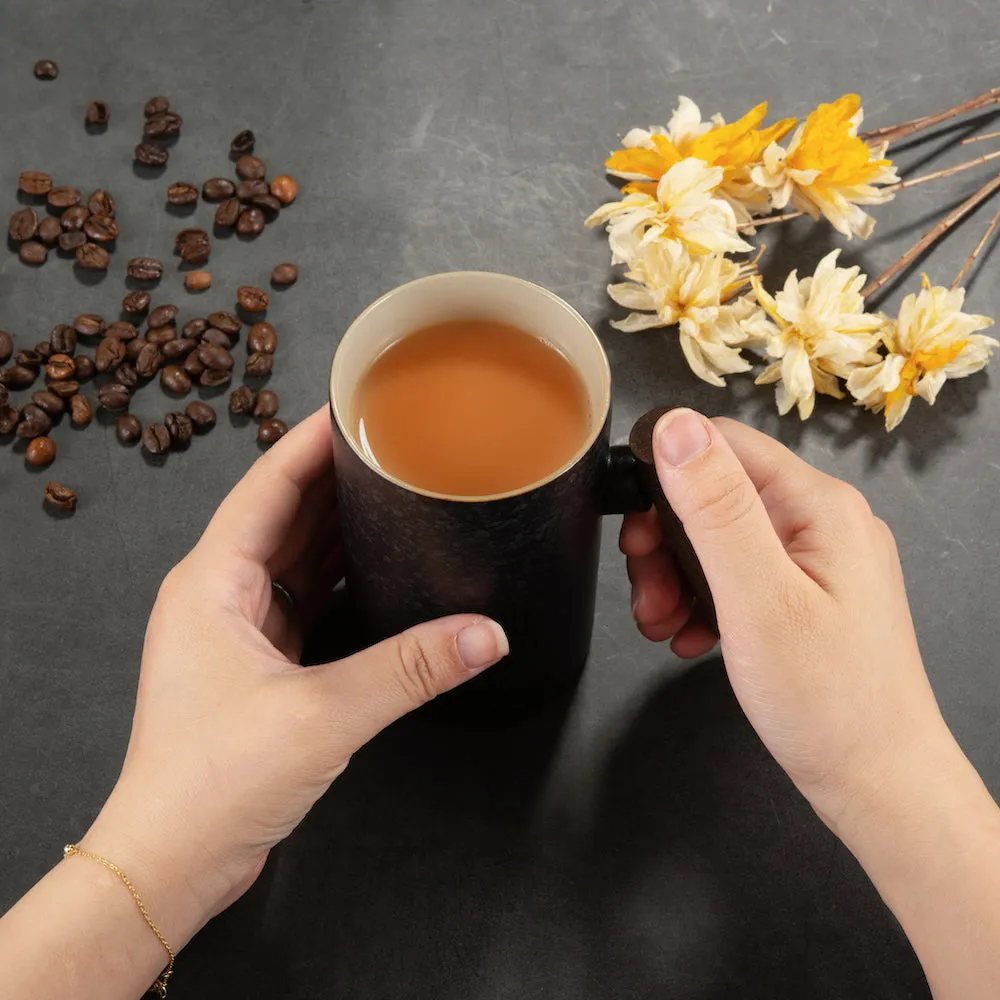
[977, 250]
[877, 133]
[906, 129]
[979, 138]
[931, 237]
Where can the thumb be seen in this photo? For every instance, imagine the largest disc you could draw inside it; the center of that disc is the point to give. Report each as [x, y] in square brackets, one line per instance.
[720, 508]
[382, 683]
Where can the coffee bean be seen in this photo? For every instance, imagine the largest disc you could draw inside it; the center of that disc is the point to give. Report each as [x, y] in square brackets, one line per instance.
[114, 396]
[122, 330]
[271, 430]
[267, 202]
[176, 350]
[228, 212]
[243, 142]
[59, 496]
[74, 217]
[6, 346]
[18, 376]
[9, 417]
[266, 405]
[71, 241]
[28, 359]
[91, 257]
[60, 367]
[182, 194]
[218, 187]
[63, 197]
[49, 230]
[161, 316]
[81, 411]
[65, 390]
[84, 367]
[156, 439]
[217, 337]
[101, 203]
[89, 325]
[49, 402]
[101, 229]
[46, 69]
[179, 427]
[109, 355]
[156, 106]
[162, 125]
[251, 298]
[128, 428]
[41, 451]
[251, 168]
[23, 225]
[248, 190]
[284, 189]
[98, 113]
[34, 182]
[34, 422]
[62, 339]
[215, 357]
[149, 361]
[193, 365]
[251, 221]
[225, 321]
[33, 252]
[212, 379]
[144, 269]
[133, 349]
[259, 365]
[197, 281]
[284, 274]
[194, 328]
[127, 375]
[241, 400]
[193, 246]
[161, 335]
[202, 416]
[174, 379]
[151, 155]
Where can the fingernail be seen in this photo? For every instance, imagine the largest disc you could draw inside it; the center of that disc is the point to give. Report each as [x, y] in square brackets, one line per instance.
[680, 436]
[481, 645]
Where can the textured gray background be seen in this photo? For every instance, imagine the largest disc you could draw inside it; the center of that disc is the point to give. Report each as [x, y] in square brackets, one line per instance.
[641, 844]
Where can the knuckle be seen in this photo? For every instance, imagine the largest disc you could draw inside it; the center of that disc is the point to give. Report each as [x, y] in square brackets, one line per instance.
[726, 500]
[852, 503]
[416, 668]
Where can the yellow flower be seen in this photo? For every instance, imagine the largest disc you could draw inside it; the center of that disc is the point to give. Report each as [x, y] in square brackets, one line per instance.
[931, 342]
[668, 286]
[827, 170]
[684, 209]
[818, 330]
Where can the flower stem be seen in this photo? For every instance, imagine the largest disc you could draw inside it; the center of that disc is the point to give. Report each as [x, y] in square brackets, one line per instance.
[971, 259]
[895, 133]
[931, 237]
[980, 138]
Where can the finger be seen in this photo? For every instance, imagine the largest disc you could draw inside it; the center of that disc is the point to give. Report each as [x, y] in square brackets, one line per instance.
[658, 597]
[693, 640]
[640, 534]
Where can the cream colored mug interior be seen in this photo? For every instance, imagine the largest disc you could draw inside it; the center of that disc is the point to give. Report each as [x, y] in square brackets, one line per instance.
[468, 295]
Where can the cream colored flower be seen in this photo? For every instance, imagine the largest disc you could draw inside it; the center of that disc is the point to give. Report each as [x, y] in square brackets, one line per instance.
[827, 170]
[818, 331]
[668, 286]
[931, 342]
[684, 209]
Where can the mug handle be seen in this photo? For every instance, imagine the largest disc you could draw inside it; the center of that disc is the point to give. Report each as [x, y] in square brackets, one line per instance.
[633, 486]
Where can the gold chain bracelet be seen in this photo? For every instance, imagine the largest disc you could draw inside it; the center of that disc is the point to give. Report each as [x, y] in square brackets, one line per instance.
[160, 985]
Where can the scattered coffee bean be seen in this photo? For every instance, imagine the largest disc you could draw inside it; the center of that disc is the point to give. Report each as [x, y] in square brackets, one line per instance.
[156, 106]
[59, 496]
[179, 427]
[34, 422]
[41, 451]
[193, 365]
[128, 428]
[194, 328]
[33, 252]
[91, 257]
[144, 269]
[89, 325]
[262, 339]
[284, 274]
[98, 113]
[9, 417]
[202, 416]
[101, 203]
[29, 358]
[271, 430]
[267, 202]
[46, 69]
[34, 182]
[243, 142]
[114, 396]
[259, 365]
[215, 358]
[81, 411]
[122, 330]
[133, 349]
[49, 230]
[84, 367]
[71, 241]
[44, 350]
[60, 367]
[151, 155]
[212, 379]
[162, 125]
[251, 298]
[4, 395]
[241, 400]
[197, 281]
[251, 168]
[218, 187]
[161, 335]
[156, 439]
[101, 229]
[18, 376]
[217, 337]
[23, 225]
[62, 339]
[182, 193]
[248, 190]
[49, 402]
[6, 346]
[136, 302]
[251, 221]
[63, 197]
[109, 354]
[65, 390]
[227, 322]
[149, 361]
[266, 405]
[284, 189]
[193, 246]
[176, 350]
[127, 375]
[228, 213]
[161, 316]
[175, 379]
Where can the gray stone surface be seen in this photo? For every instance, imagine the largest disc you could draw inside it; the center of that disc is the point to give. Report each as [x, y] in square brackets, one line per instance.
[641, 843]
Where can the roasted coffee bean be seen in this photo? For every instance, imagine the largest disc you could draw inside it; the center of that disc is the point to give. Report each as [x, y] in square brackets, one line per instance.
[33, 252]
[49, 230]
[228, 213]
[217, 337]
[151, 155]
[161, 316]
[241, 400]
[251, 168]
[182, 194]
[114, 396]
[179, 427]
[284, 274]
[44, 350]
[28, 359]
[9, 418]
[63, 197]
[156, 439]
[122, 330]
[136, 302]
[101, 229]
[81, 411]
[193, 365]
[34, 182]
[267, 202]
[197, 281]
[34, 422]
[6, 346]
[49, 402]
[91, 257]
[109, 354]
[84, 367]
[202, 416]
[271, 430]
[251, 221]
[266, 405]
[65, 390]
[259, 365]
[162, 125]
[18, 377]
[128, 428]
[177, 350]
[212, 379]
[225, 321]
[149, 361]
[62, 497]
[71, 241]
[243, 142]
[23, 225]
[156, 106]
[194, 328]
[218, 187]
[127, 375]
[144, 269]
[46, 69]
[134, 348]
[174, 379]
[284, 189]
[60, 367]
[89, 325]
[248, 190]
[214, 357]
[252, 298]
[193, 245]
[62, 339]
[98, 113]
[74, 217]
[161, 335]
[101, 203]
[4, 395]
[40, 451]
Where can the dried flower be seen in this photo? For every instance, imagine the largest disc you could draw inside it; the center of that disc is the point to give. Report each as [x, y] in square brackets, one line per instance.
[931, 341]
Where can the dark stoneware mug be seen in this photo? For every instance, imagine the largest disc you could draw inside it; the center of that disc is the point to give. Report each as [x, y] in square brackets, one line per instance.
[527, 558]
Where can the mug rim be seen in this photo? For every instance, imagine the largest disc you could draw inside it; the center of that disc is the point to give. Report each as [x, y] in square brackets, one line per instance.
[598, 422]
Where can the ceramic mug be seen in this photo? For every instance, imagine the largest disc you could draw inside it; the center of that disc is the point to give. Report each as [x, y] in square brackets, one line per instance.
[527, 558]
